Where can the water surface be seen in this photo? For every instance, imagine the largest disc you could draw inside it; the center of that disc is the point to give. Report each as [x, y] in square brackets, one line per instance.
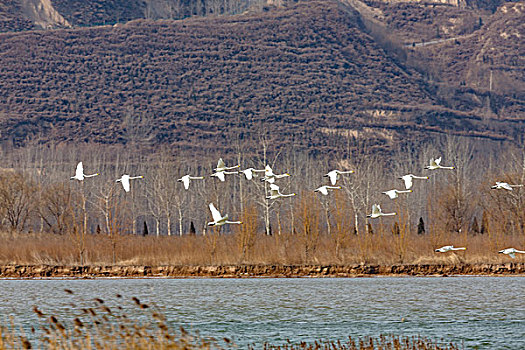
[476, 312]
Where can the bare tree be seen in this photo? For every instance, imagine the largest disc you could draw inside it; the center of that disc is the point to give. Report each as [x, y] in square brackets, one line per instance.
[18, 196]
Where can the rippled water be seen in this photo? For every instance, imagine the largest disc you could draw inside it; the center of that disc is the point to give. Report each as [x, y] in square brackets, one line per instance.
[476, 312]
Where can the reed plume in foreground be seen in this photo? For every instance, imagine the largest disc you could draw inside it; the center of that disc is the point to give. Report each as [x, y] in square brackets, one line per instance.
[383, 342]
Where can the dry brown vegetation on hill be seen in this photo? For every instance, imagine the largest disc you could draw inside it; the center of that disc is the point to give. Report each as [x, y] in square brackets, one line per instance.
[309, 71]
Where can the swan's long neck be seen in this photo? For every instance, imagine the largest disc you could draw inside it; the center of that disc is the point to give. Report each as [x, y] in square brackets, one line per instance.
[196, 177]
[447, 167]
[135, 177]
[461, 248]
[288, 195]
[91, 175]
[388, 214]
[233, 222]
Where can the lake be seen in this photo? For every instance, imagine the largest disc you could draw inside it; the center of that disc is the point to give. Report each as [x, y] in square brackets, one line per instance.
[476, 312]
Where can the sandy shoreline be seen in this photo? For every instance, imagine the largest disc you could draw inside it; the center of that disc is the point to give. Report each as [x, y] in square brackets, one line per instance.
[246, 271]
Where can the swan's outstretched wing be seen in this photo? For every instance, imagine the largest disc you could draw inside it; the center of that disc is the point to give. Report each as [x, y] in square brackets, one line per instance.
[505, 186]
[376, 209]
[332, 175]
[437, 161]
[248, 173]
[215, 213]
[220, 175]
[323, 190]
[392, 194]
[125, 183]
[274, 187]
[408, 181]
[186, 181]
[220, 164]
[274, 190]
[79, 173]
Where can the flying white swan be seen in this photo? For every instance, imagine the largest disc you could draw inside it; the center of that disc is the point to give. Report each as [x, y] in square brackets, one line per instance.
[218, 219]
[511, 252]
[504, 186]
[276, 193]
[376, 212]
[79, 173]
[408, 179]
[270, 177]
[186, 180]
[324, 189]
[250, 173]
[393, 194]
[434, 164]
[449, 248]
[221, 174]
[222, 167]
[334, 175]
[125, 181]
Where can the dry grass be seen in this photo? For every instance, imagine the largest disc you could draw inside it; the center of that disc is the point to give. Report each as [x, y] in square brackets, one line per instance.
[383, 342]
[225, 249]
[101, 325]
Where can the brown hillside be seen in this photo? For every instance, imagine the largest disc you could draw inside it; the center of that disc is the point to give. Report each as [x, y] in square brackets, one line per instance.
[307, 71]
[98, 12]
[489, 61]
[11, 19]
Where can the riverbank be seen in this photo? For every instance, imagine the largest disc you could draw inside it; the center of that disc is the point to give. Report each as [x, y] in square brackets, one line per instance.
[246, 271]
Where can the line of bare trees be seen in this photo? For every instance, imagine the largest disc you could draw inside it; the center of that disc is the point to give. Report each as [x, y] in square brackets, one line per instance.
[37, 195]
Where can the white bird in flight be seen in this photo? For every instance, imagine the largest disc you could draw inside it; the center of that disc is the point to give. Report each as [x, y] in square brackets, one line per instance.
[511, 252]
[79, 173]
[218, 219]
[408, 179]
[376, 212]
[270, 177]
[125, 181]
[334, 175]
[393, 194]
[504, 186]
[250, 173]
[221, 174]
[435, 164]
[222, 167]
[186, 180]
[449, 248]
[324, 189]
[276, 193]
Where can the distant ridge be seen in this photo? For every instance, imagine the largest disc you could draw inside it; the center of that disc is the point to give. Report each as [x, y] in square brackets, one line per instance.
[314, 73]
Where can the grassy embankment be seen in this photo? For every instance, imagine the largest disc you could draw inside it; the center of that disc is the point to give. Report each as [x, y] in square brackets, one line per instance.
[241, 249]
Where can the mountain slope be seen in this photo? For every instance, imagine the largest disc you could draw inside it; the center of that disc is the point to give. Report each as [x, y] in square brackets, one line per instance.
[309, 72]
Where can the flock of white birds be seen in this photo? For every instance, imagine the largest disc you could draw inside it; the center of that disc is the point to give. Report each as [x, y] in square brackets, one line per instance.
[222, 170]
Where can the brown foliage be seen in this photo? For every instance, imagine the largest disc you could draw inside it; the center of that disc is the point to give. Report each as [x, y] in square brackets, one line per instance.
[308, 70]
